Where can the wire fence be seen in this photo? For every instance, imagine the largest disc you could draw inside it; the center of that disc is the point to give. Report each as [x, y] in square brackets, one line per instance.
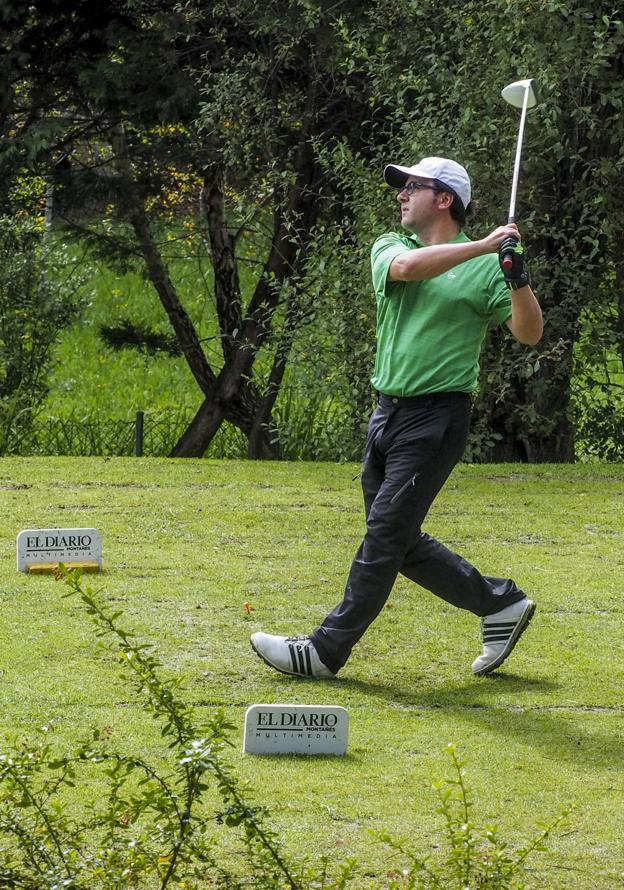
[312, 429]
[147, 433]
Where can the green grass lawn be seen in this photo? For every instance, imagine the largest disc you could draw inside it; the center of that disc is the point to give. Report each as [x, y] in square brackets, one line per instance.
[187, 542]
[88, 376]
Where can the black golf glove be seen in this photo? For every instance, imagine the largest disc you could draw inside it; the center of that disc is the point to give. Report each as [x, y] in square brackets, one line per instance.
[511, 259]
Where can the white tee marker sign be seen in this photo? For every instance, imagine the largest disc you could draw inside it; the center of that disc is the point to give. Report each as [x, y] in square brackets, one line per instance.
[296, 729]
[40, 550]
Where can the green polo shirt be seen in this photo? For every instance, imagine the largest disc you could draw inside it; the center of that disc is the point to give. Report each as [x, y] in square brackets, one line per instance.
[429, 333]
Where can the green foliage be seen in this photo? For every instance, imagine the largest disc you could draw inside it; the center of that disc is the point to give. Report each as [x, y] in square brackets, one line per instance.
[598, 385]
[476, 858]
[599, 420]
[314, 425]
[34, 309]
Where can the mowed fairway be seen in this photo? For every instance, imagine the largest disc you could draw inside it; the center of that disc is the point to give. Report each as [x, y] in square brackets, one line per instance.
[186, 543]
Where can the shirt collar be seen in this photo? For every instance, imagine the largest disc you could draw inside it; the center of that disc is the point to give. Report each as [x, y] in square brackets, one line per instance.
[461, 236]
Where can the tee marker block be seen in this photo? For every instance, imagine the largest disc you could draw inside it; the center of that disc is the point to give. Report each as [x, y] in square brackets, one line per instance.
[49, 568]
[296, 729]
[39, 551]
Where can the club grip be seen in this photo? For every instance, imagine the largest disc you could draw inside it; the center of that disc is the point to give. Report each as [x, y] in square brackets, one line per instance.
[506, 253]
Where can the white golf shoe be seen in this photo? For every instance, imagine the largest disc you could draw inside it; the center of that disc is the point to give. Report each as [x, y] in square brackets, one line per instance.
[500, 632]
[290, 655]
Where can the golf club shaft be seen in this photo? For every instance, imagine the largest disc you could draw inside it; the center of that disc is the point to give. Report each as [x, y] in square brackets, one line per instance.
[516, 172]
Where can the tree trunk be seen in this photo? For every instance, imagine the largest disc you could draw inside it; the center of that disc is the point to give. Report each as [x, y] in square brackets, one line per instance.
[206, 422]
[159, 276]
[226, 278]
[295, 314]
[285, 262]
[229, 309]
[260, 428]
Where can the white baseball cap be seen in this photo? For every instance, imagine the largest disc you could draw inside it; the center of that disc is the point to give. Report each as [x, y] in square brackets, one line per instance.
[450, 173]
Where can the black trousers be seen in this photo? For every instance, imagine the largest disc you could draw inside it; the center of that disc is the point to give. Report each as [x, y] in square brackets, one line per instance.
[412, 446]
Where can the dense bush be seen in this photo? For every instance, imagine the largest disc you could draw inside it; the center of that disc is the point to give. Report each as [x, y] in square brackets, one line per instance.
[34, 308]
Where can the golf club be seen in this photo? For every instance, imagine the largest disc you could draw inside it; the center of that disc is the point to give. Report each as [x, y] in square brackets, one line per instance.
[520, 94]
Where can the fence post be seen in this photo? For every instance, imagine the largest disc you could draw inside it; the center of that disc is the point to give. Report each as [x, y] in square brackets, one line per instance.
[138, 434]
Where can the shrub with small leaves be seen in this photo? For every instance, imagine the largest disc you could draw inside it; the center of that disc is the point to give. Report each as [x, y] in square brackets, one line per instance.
[476, 858]
[34, 308]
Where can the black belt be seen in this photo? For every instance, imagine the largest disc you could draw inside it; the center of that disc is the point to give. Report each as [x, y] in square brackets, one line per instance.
[413, 401]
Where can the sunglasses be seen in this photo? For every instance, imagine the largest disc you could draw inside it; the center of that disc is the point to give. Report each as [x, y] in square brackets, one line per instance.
[412, 187]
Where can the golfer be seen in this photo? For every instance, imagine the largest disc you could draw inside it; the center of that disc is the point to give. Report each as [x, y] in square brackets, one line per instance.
[437, 293]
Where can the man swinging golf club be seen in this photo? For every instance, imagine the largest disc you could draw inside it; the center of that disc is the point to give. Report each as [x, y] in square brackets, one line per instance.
[437, 292]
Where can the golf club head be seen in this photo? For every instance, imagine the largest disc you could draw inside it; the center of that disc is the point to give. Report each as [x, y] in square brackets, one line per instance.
[514, 93]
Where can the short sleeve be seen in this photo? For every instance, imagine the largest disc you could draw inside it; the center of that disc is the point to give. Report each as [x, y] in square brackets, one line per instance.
[383, 252]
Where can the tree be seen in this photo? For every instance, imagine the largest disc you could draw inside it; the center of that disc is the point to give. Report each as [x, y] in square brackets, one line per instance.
[137, 73]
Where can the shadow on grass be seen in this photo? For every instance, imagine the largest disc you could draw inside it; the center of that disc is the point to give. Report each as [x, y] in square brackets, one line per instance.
[558, 731]
[469, 694]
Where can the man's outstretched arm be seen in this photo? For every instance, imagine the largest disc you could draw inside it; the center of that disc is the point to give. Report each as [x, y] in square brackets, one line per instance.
[435, 259]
